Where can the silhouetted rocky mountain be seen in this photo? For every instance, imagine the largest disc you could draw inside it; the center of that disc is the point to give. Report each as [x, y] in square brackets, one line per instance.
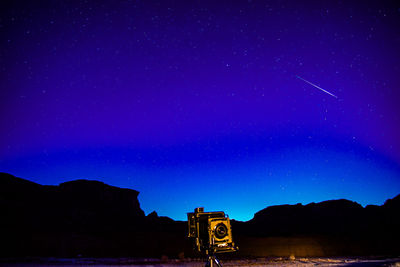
[77, 205]
[80, 218]
[328, 217]
[329, 228]
[90, 218]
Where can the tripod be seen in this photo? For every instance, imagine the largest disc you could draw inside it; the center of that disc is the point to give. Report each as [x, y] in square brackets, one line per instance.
[212, 261]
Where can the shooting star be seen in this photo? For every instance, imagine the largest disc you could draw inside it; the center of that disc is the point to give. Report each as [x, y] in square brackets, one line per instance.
[316, 86]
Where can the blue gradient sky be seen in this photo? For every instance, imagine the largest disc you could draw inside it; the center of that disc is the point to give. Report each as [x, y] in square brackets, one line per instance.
[196, 103]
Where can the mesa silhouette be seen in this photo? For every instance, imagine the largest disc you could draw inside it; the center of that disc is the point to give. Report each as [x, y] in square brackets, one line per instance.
[92, 219]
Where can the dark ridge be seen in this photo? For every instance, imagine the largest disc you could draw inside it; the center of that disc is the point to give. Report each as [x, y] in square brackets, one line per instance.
[392, 203]
[93, 219]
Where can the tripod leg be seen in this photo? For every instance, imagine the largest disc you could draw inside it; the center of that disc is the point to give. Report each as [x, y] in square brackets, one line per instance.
[209, 262]
[212, 261]
[217, 263]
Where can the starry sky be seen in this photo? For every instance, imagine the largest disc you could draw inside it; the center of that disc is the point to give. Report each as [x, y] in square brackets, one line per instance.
[199, 103]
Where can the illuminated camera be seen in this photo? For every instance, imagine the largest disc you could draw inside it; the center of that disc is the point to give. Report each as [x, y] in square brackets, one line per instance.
[210, 231]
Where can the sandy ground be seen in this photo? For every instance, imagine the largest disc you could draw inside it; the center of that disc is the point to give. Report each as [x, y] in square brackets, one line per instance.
[303, 262]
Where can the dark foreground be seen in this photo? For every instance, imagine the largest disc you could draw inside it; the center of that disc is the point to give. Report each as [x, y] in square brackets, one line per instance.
[391, 262]
[89, 219]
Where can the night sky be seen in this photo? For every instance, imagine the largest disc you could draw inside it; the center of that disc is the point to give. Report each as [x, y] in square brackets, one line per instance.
[199, 103]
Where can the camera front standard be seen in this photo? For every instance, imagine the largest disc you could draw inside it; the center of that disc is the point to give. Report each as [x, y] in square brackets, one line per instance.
[210, 231]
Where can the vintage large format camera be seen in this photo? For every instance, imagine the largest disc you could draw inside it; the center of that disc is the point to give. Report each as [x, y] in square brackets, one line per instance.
[210, 231]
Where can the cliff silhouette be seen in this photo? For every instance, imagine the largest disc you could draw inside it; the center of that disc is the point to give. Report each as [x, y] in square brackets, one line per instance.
[329, 228]
[92, 219]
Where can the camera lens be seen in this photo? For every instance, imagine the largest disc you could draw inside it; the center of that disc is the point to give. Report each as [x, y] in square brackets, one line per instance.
[221, 231]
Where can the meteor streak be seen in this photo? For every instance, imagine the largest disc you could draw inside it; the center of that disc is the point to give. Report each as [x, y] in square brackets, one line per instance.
[316, 86]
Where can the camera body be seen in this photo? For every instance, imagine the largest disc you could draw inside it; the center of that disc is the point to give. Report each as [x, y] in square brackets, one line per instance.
[210, 231]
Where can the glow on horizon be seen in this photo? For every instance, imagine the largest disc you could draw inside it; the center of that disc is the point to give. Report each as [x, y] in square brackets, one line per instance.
[240, 188]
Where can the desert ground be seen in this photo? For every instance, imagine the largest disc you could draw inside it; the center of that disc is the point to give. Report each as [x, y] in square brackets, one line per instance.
[269, 262]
